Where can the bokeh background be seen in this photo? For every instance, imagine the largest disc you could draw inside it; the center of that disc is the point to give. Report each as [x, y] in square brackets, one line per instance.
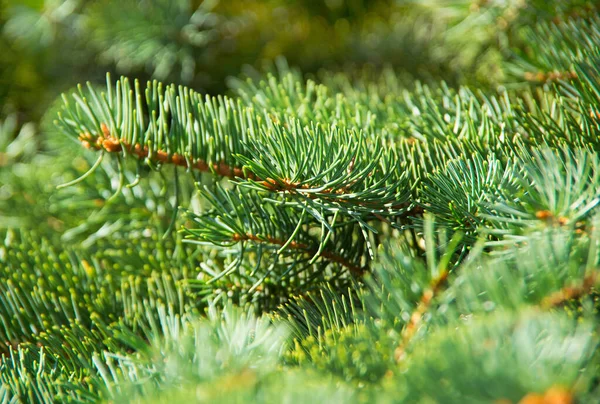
[47, 46]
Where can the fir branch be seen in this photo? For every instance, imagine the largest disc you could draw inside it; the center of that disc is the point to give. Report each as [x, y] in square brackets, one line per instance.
[586, 286]
[435, 288]
[555, 49]
[329, 255]
[113, 144]
[274, 227]
[166, 124]
[543, 77]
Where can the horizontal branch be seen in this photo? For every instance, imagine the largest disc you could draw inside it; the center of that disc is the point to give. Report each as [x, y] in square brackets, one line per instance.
[331, 256]
[286, 185]
[113, 144]
[543, 77]
[571, 292]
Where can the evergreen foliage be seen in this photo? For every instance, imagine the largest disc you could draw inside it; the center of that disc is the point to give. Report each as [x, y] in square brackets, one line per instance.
[338, 238]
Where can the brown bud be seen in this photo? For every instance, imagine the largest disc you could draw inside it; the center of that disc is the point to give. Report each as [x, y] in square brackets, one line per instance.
[544, 214]
[111, 144]
[178, 159]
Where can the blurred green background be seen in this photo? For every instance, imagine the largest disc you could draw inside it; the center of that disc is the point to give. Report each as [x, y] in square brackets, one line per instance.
[47, 46]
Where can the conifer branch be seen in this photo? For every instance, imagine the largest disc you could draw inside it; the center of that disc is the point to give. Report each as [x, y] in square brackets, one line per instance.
[543, 77]
[113, 144]
[567, 293]
[294, 245]
[558, 47]
[435, 287]
[276, 228]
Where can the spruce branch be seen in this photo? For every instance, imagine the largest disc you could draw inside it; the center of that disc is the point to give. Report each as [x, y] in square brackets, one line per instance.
[160, 124]
[460, 193]
[512, 349]
[293, 245]
[334, 168]
[243, 217]
[112, 144]
[438, 277]
[354, 171]
[416, 318]
[545, 270]
[319, 177]
[164, 36]
[567, 293]
[542, 77]
[197, 351]
[554, 187]
[311, 314]
[555, 49]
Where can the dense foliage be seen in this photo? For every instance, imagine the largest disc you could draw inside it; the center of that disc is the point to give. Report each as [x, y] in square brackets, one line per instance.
[362, 232]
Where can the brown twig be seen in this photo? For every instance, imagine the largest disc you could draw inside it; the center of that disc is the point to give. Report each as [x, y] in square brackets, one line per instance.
[294, 245]
[570, 292]
[113, 145]
[415, 319]
[542, 77]
[327, 194]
